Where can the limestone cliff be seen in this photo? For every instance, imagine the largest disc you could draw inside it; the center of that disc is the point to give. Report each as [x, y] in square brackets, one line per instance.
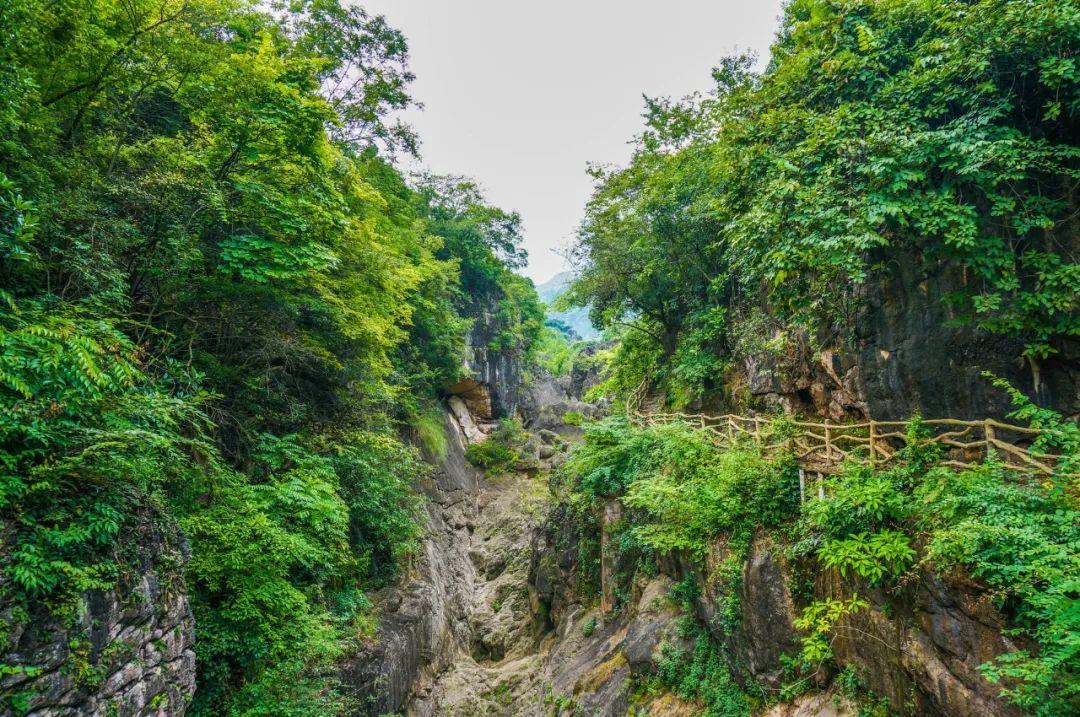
[492, 378]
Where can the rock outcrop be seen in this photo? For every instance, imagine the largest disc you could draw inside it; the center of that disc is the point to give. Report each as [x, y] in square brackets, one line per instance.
[548, 400]
[423, 618]
[920, 647]
[493, 378]
[124, 652]
[904, 351]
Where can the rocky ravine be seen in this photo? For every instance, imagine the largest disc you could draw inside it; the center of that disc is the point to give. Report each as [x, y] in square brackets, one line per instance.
[469, 633]
[489, 619]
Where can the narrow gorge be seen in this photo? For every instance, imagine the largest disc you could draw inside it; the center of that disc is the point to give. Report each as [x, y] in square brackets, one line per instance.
[502, 613]
[290, 426]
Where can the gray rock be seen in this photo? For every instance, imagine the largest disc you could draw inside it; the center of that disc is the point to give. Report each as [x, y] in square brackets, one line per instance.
[905, 351]
[133, 643]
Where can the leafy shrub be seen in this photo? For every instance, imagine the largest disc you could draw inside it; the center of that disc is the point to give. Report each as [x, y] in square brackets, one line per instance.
[818, 620]
[686, 489]
[573, 418]
[85, 438]
[692, 491]
[377, 475]
[503, 450]
[703, 676]
[1024, 541]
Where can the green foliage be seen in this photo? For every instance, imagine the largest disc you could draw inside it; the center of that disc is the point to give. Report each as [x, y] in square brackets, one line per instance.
[503, 450]
[554, 353]
[852, 686]
[430, 426]
[702, 675]
[519, 317]
[1057, 436]
[941, 134]
[686, 488]
[635, 358]
[377, 475]
[573, 418]
[220, 303]
[85, 438]
[607, 462]
[818, 620]
[871, 556]
[1025, 542]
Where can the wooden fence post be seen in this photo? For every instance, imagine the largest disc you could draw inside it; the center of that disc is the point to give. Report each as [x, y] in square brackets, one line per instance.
[873, 443]
[757, 431]
[802, 486]
[988, 433]
[828, 442]
[821, 486]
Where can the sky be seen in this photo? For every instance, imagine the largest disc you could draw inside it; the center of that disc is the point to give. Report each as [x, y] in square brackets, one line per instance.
[520, 95]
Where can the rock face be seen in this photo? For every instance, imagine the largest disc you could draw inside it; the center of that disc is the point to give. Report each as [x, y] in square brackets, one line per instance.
[423, 623]
[905, 351]
[548, 399]
[496, 616]
[493, 385]
[921, 648]
[125, 652]
[764, 633]
[489, 619]
[591, 663]
[817, 704]
[461, 414]
[914, 355]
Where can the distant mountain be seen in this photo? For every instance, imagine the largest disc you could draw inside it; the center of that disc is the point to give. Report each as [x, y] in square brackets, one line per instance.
[576, 319]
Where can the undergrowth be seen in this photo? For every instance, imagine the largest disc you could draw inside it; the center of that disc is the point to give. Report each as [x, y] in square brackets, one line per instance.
[685, 496]
[503, 450]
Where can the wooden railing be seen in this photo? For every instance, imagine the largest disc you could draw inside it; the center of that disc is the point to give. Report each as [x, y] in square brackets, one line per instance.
[822, 447]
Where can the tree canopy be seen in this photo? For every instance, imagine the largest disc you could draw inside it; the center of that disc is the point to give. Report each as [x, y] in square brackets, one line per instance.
[943, 129]
[223, 304]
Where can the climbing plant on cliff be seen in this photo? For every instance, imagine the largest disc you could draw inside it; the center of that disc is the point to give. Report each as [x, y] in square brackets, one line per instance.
[880, 529]
[1021, 536]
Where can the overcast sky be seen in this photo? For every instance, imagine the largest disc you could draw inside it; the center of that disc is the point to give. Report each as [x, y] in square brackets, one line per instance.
[521, 94]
